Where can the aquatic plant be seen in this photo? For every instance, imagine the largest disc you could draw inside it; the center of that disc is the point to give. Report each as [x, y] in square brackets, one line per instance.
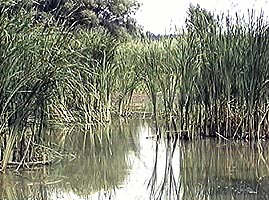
[212, 78]
[29, 61]
[49, 75]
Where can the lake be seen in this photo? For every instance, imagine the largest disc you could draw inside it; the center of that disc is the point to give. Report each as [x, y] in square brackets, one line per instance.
[126, 161]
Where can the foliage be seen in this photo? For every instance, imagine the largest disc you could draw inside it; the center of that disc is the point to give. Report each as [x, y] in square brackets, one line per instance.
[212, 77]
[85, 83]
[29, 62]
[49, 75]
[113, 15]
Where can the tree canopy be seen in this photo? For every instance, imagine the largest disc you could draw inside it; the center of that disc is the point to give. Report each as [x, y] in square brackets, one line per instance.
[112, 15]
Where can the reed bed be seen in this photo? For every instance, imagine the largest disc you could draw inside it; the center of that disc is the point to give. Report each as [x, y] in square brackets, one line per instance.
[29, 62]
[49, 74]
[212, 78]
[127, 76]
[232, 82]
[86, 81]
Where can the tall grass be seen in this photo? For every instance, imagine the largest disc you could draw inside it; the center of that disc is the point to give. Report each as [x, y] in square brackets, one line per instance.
[29, 61]
[49, 74]
[128, 77]
[234, 74]
[212, 77]
[86, 81]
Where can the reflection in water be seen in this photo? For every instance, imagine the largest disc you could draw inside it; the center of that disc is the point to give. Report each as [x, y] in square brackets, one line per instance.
[169, 185]
[120, 161]
[224, 171]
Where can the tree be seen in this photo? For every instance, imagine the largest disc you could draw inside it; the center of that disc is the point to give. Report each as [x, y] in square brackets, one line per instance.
[112, 15]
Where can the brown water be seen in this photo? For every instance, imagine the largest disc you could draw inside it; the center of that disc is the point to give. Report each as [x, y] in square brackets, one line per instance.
[120, 162]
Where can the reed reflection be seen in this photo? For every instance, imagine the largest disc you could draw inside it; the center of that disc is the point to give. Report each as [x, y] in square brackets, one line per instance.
[209, 169]
[100, 168]
[164, 182]
[129, 159]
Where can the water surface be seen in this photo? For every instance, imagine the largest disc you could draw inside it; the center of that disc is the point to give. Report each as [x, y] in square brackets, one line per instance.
[123, 161]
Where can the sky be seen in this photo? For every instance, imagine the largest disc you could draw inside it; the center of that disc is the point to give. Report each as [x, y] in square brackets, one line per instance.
[165, 16]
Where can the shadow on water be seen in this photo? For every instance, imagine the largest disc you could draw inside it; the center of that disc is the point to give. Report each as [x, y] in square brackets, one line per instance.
[127, 160]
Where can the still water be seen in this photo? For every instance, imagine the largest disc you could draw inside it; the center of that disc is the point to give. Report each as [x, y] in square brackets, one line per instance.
[123, 161]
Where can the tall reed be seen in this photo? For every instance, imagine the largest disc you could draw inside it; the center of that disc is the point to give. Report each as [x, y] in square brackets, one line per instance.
[128, 77]
[234, 73]
[29, 61]
[86, 81]
[50, 74]
[212, 77]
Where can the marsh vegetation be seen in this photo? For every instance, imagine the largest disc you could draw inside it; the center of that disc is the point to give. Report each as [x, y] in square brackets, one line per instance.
[210, 79]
